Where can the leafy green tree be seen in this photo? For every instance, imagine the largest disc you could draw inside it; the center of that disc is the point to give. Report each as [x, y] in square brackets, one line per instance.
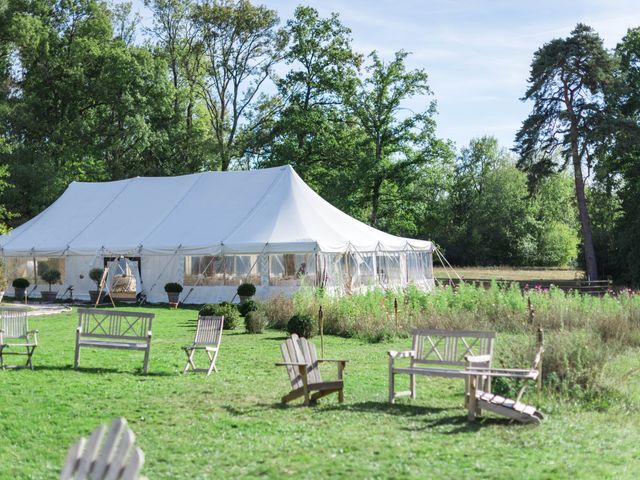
[312, 130]
[616, 193]
[81, 101]
[241, 45]
[395, 143]
[567, 82]
[556, 219]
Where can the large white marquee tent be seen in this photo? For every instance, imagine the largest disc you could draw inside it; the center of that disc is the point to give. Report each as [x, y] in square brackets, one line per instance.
[210, 232]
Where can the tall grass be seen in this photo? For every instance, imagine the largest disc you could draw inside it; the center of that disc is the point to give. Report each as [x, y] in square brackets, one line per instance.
[582, 332]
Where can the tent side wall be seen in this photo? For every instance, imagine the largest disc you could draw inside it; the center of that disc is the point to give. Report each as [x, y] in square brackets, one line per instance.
[213, 279]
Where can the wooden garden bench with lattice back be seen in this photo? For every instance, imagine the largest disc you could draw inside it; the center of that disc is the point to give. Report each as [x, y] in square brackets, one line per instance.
[15, 336]
[440, 353]
[113, 329]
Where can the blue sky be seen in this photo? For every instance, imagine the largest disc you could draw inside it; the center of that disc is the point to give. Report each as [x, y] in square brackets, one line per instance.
[477, 53]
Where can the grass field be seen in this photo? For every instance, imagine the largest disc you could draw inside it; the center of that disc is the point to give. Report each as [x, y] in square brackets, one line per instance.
[510, 273]
[231, 425]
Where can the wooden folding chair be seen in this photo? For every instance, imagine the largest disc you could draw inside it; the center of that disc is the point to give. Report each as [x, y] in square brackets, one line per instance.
[208, 336]
[15, 334]
[105, 455]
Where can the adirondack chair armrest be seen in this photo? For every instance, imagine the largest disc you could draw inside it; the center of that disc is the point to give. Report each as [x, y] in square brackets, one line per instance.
[406, 354]
[320, 360]
[290, 364]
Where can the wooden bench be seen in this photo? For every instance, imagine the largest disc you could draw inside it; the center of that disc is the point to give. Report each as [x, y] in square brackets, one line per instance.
[441, 353]
[113, 329]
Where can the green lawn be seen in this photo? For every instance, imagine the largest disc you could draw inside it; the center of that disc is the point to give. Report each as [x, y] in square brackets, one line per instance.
[231, 424]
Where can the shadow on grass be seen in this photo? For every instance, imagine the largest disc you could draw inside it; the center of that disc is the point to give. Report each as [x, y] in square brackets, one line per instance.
[99, 370]
[460, 424]
[457, 424]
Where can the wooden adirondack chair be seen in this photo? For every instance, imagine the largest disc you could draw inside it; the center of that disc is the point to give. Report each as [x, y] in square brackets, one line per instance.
[478, 400]
[208, 336]
[303, 367]
[15, 337]
[106, 455]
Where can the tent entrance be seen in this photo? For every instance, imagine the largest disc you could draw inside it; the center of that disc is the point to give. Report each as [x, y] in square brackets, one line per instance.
[124, 279]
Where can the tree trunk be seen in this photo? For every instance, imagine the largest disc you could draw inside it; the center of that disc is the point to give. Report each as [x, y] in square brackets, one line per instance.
[585, 221]
[375, 202]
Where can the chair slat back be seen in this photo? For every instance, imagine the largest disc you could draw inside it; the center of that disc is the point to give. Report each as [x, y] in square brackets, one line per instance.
[301, 350]
[449, 347]
[106, 455]
[114, 324]
[15, 323]
[209, 330]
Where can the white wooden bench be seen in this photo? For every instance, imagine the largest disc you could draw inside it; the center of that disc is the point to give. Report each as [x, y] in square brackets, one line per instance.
[441, 353]
[113, 329]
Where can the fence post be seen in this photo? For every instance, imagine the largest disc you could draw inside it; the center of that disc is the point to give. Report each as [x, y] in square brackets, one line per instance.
[531, 311]
[395, 310]
[321, 323]
[540, 344]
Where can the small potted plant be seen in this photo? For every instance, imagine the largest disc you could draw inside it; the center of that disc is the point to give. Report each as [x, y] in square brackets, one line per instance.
[20, 285]
[51, 276]
[173, 290]
[95, 274]
[246, 291]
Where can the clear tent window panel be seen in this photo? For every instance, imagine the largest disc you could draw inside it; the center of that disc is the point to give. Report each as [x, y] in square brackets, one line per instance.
[20, 267]
[47, 263]
[291, 269]
[204, 270]
[243, 269]
[31, 268]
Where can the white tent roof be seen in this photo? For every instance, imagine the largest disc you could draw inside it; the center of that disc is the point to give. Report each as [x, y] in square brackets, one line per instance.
[270, 210]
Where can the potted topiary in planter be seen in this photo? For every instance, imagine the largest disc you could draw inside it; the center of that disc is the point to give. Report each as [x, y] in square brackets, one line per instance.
[95, 274]
[173, 290]
[51, 276]
[246, 291]
[20, 285]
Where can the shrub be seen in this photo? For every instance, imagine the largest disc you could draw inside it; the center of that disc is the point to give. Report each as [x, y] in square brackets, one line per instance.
[303, 325]
[246, 290]
[20, 283]
[230, 314]
[207, 310]
[51, 276]
[278, 310]
[95, 274]
[255, 321]
[225, 309]
[173, 287]
[248, 306]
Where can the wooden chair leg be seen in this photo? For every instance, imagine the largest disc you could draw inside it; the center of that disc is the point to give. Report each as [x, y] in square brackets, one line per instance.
[341, 366]
[471, 404]
[412, 386]
[392, 379]
[212, 362]
[76, 358]
[305, 385]
[145, 366]
[190, 353]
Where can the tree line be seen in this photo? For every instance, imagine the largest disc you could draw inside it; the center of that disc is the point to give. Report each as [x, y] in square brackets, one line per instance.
[89, 95]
